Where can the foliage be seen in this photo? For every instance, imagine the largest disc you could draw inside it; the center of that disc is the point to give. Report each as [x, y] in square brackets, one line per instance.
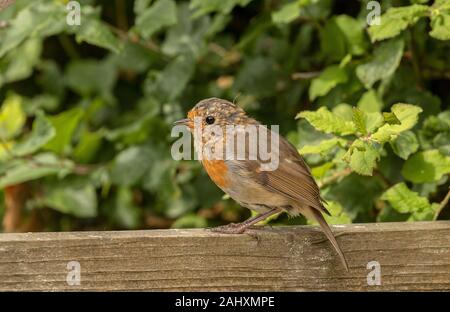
[87, 109]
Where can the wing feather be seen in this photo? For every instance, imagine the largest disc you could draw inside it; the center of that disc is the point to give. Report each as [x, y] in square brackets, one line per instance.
[293, 178]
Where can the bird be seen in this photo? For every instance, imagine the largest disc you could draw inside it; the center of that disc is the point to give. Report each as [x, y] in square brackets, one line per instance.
[290, 187]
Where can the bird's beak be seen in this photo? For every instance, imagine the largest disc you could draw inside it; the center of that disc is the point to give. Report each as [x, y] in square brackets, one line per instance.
[185, 122]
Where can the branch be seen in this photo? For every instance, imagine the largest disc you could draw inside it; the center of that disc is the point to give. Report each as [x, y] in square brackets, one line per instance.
[415, 59]
[442, 205]
[429, 73]
[305, 75]
[125, 36]
[121, 14]
[334, 177]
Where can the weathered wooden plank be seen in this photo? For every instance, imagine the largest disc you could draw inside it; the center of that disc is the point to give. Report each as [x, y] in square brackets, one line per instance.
[412, 256]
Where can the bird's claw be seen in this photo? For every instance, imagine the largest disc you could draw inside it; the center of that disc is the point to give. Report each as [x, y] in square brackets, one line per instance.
[232, 228]
[238, 228]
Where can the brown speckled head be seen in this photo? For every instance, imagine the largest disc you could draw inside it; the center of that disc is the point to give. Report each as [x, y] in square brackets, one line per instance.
[219, 112]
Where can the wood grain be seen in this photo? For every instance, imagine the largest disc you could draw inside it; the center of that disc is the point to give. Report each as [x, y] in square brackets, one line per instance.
[413, 256]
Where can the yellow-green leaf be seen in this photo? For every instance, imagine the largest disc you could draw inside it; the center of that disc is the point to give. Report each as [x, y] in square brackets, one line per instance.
[322, 147]
[395, 20]
[12, 117]
[326, 121]
[408, 116]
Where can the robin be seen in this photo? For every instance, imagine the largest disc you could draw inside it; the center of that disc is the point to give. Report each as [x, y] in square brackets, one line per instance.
[289, 187]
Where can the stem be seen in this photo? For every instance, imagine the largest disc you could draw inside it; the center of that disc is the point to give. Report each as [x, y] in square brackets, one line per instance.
[382, 177]
[415, 59]
[125, 36]
[68, 47]
[429, 73]
[442, 205]
[216, 48]
[121, 15]
[305, 75]
[335, 176]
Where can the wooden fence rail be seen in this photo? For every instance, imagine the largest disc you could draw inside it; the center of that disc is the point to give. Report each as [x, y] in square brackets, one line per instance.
[411, 256]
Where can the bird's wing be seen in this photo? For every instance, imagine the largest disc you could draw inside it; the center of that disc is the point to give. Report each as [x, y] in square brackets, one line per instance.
[292, 177]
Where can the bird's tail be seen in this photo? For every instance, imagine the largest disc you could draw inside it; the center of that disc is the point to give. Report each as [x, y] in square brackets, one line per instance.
[317, 215]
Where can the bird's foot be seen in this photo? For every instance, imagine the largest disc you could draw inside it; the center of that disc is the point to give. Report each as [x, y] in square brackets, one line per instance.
[232, 228]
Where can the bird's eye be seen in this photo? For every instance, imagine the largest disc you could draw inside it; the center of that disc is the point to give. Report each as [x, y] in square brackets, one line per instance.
[210, 120]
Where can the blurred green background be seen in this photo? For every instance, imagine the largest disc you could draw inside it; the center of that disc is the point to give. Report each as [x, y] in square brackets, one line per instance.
[86, 110]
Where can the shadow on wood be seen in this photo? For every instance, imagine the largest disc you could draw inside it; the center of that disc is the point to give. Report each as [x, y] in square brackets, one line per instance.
[412, 256]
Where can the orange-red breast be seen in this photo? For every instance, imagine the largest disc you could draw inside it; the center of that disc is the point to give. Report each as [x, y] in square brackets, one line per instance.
[290, 187]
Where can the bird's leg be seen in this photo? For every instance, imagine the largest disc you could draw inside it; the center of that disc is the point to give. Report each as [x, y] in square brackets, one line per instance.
[238, 228]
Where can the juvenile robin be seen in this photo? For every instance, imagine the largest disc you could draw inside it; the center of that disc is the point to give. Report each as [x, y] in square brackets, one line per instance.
[289, 187]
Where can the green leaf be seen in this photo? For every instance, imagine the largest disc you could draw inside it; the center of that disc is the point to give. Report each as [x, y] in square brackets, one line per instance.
[386, 59]
[288, 12]
[190, 220]
[426, 215]
[39, 19]
[188, 35]
[21, 61]
[71, 197]
[319, 172]
[338, 215]
[323, 147]
[202, 7]
[366, 123]
[427, 166]
[88, 146]
[373, 121]
[442, 142]
[327, 80]
[5, 150]
[344, 111]
[391, 118]
[359, 120]
[326, 121]
[306, 134]
[404, 200]
[91, 77]
[140, 5]
[405, 144]
[65, 124]
[357, 194]
[125, 212]
[160, 14]
[134, 57]
[130, 165]
[169, 84]
[342, 35]
[12, 117]
[370, 102]
[353, 31]
[41, 133]
[395, 20]
[407, 114]
[332, 41]
[37, 167]
[440, 26]
[363, 157]
[95, 32]
[256, 77]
